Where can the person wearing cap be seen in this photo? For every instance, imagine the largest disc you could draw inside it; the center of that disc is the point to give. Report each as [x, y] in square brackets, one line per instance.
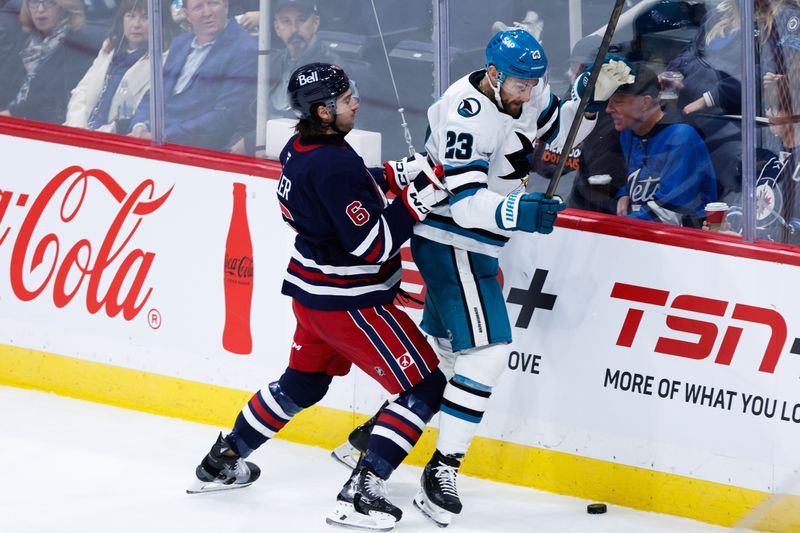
[296, 23]
[598, 162]
[670, 174]
[209, 79]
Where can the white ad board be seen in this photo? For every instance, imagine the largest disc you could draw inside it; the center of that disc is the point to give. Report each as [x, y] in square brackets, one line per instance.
[660, 357]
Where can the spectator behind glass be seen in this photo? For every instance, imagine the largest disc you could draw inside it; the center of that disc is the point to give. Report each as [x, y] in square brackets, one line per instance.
[670, 175]
[120, 75]
[11, 40]
[781, 83]
[51, 62]
[598, 159]
[209, 80]
[296, 22]
[711, 68]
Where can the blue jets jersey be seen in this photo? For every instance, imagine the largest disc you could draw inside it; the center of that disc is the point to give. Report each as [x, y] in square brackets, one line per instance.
[348, 234]
[670, 174]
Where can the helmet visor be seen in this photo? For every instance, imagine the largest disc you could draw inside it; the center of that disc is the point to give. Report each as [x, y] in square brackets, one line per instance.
[518, 87]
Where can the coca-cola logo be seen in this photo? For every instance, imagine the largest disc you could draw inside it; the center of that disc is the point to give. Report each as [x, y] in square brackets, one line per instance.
[52, 254]
[240, 267]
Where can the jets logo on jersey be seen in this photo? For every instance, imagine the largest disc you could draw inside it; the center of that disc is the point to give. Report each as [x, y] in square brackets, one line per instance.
[469, 107]
[405, 361]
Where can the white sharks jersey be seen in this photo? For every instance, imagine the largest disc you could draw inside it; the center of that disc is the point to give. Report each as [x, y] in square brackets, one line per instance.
[485, 154]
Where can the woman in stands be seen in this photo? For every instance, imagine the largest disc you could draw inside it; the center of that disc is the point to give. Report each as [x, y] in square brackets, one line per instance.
[108, 94]
[56, 54]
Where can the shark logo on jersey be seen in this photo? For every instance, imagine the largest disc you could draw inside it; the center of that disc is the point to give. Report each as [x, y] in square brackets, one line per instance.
[520, 160]
[469, 107]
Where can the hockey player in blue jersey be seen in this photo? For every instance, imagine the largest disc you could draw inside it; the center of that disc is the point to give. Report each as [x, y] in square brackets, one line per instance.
[343, 277]
[670, 174]
[482, 130]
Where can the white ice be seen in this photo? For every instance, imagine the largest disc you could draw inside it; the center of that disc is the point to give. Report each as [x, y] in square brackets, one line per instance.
[76, 466]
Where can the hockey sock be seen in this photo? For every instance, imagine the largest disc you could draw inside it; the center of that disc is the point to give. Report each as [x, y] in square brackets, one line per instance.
[462, 410]
[400, 424]
[270, 409]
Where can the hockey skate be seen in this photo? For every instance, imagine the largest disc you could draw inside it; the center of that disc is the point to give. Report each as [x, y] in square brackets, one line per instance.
[218, 471]
[438, 496]
[362, 503]
[351, 451]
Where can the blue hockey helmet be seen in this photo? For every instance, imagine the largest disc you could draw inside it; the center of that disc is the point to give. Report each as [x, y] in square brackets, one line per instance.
[314, 84]
[516, 53]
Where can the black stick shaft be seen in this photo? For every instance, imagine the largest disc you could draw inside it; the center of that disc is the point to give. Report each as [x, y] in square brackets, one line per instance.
[584, 102]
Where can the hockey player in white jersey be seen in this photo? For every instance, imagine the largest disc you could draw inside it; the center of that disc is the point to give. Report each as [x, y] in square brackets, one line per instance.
[482, 130]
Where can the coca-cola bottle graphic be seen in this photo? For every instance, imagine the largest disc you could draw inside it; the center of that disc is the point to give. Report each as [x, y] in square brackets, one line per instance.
[236, 336]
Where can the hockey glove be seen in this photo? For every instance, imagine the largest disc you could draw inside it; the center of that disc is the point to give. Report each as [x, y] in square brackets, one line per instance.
[614, 71]
[421, 195]
[403, 171]
[530, 212]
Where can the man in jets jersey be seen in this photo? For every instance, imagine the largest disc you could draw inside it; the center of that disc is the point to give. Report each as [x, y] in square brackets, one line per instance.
[482, 131]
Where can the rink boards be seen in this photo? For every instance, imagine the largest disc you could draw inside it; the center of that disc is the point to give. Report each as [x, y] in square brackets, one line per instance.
[653, 370]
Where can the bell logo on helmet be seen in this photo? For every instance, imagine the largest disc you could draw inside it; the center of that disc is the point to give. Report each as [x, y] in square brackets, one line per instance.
[537, 54]
[303, 79]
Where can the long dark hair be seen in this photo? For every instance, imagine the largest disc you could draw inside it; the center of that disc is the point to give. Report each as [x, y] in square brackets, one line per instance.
[116, 35]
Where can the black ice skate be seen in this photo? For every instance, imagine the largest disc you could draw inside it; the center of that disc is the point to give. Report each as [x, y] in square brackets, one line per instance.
[218, 471]
[438, 496]
[362, 503]
[351, 451]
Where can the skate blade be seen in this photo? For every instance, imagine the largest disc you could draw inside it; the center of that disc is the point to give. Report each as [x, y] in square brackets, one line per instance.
[347, 455]
[345, 515]
[200, 487]
[434, 513]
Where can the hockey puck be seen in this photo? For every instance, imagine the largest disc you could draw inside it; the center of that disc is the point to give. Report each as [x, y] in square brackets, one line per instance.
[596, 508]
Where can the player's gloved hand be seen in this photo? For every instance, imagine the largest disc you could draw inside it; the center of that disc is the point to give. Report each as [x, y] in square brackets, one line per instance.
[614, 71]
[530, 212]
[421, 194]
[403, 171]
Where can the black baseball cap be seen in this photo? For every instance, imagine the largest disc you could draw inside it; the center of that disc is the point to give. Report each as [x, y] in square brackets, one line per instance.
[305, 6]
[646, 83]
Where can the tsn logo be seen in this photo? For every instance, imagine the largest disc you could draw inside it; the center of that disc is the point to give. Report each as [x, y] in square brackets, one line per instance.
[302, 79]
[706, 331]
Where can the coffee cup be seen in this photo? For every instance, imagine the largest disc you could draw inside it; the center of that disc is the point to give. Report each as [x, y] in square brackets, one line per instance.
[716, 215]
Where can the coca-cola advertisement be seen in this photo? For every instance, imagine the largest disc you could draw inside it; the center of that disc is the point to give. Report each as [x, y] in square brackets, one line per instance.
[236, 336]
[70, 257]
[150, 265]
[117, 259]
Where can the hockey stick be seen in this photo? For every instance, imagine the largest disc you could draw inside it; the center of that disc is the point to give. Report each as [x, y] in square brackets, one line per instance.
[587, 93]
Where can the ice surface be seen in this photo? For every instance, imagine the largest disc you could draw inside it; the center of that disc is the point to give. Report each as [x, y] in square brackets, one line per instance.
[75, 466]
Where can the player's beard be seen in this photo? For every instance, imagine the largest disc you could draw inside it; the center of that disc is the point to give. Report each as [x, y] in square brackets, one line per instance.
[515, 110]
